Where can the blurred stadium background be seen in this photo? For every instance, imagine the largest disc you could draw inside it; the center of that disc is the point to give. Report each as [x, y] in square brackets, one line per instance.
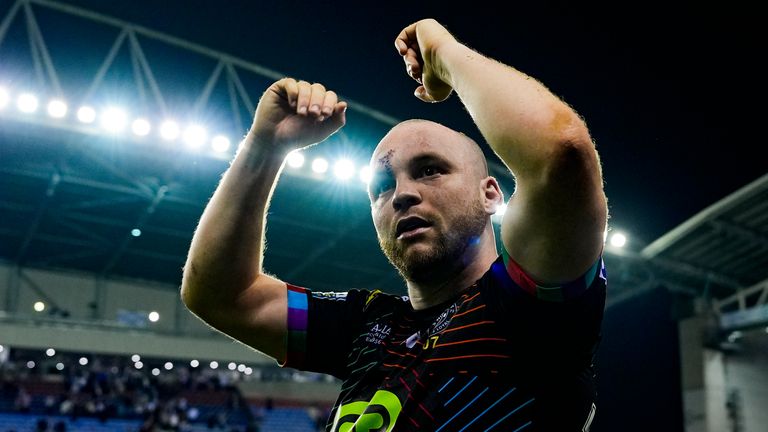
[107, 159]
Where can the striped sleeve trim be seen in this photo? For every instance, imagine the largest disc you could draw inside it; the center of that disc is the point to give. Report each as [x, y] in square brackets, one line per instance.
[560, 293]
[296, 343]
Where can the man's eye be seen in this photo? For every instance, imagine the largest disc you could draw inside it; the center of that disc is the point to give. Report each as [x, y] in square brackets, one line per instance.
[382, 186]
[429, 171]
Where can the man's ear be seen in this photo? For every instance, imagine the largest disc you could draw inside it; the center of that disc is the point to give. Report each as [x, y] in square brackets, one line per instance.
[493, 195]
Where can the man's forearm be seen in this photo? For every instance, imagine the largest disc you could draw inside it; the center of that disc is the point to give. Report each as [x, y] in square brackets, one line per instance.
[227, 248]
[521, 119]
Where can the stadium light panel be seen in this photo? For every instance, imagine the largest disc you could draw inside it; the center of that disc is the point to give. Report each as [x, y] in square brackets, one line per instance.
[320, 165]
[31, 364]
[57, 108]
[154, 316]
[344, 169]
[214, 364]
[83, 361]
[138, 365]
[135, 358]
[141, 127]
[195, 136]
[169, 130]
[155, 371]
[60, 366]
[50, 352]
[618, 240]
[39, 306]
[114, 120]
[27, 103]
[194, 363]
[295, 159]
[86, 114]
[168, 365]
[220, 144]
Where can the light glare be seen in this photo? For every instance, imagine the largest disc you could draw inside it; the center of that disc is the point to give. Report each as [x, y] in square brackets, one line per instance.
[50, 352]
[57, 108]
[169, 130]
[83, 361]
[366, 175]
[214, 364]
[618, 239]
[154, 316]
[4, 98]
[168, 365]
[141, 127]
[194, 363]
[114, 120]
[27, 103]
[39, 306]
[220, 143]
[295, 159]
[319, 165]
[138, 365]
[86, 114]
[60, 366]
[344, 169]
[194, 136]
[135, 358]
[500, 209]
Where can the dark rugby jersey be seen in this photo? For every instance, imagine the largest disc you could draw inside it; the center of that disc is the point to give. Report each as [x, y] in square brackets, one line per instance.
[503, 355]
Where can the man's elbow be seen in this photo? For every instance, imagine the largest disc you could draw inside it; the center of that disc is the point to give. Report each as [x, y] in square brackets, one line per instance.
[189, 288]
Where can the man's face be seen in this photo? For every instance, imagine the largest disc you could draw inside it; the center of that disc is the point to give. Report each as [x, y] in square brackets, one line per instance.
[427, 198]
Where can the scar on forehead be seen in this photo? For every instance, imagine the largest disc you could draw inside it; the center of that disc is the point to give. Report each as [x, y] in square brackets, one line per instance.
[386, 160]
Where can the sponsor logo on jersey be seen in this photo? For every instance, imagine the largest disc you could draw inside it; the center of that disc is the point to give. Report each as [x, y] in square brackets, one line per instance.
[330, 295]
[443, 320]
[377, 415]
[378, 333]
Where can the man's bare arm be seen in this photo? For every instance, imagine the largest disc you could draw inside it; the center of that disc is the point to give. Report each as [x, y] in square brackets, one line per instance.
[224, 283]
[555, 221]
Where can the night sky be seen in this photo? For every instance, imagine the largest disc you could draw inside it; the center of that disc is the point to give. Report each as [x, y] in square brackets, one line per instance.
[670, 93]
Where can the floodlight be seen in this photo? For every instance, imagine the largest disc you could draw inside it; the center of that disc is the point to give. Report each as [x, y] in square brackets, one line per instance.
[27, 103]
[57, 108]
[86, 114]
[344, 169]
[319, 165]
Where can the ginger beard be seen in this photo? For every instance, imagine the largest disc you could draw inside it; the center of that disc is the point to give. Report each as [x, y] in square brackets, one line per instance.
[448, 249]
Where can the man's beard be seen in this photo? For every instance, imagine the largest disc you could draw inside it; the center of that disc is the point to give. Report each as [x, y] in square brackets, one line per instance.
[446, 253]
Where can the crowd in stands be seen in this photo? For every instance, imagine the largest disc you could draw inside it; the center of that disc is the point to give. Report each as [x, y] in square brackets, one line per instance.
[113, 388]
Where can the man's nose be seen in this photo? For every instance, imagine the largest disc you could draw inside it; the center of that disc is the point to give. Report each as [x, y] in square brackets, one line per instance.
[406, 195]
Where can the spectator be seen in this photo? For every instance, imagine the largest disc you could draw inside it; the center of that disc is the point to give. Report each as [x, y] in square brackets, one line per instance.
[23, 401]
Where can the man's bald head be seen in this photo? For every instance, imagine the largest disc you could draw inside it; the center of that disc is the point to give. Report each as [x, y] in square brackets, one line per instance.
[413, 131]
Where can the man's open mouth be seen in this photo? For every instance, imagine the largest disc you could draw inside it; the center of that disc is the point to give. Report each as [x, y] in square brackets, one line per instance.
[411, 226]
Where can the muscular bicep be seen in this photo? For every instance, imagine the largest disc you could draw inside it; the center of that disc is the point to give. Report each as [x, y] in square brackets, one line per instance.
[256, 317]
[554, 223]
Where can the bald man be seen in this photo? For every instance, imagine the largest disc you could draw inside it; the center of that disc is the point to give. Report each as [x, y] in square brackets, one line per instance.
[486, 339]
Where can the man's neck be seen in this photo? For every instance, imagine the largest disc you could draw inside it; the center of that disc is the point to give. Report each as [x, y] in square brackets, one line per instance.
[450, 283]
